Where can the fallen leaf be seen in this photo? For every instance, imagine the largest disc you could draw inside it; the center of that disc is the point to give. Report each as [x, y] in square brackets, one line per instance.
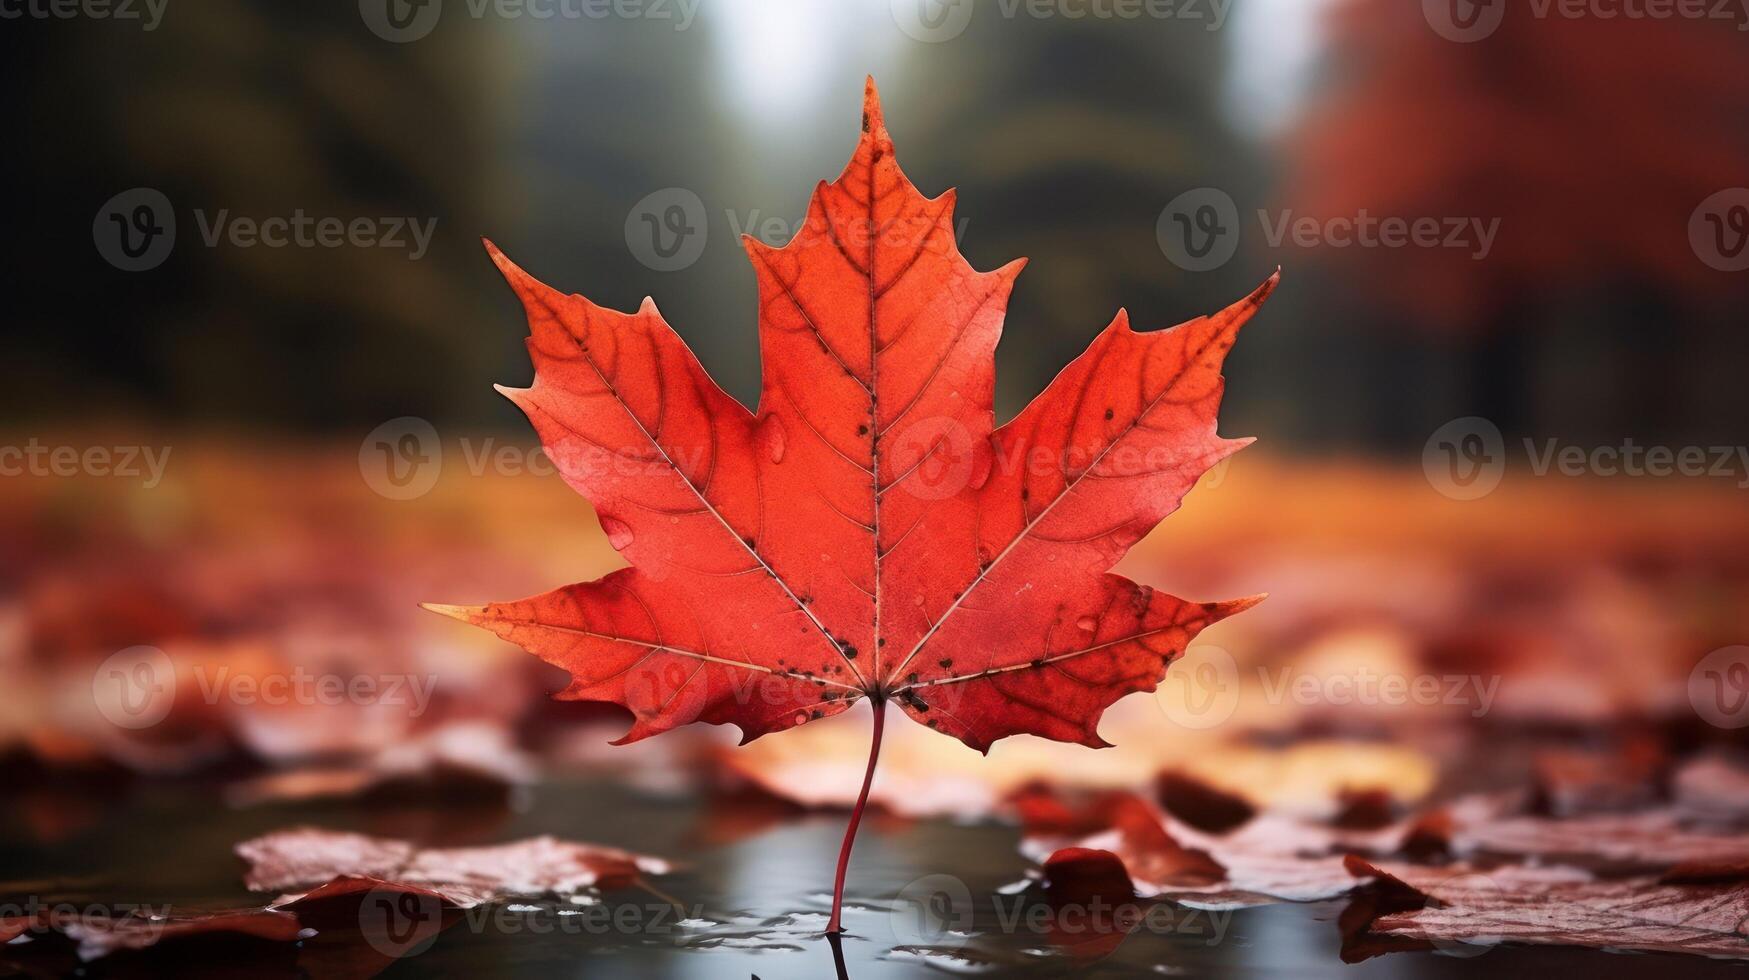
[1092, 902]
[1550, 906]
[305, 860]
[1200, 805]
[1272, 858]
[1643, 841]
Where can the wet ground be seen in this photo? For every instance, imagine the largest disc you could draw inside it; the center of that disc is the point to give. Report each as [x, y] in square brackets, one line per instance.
[927, 898]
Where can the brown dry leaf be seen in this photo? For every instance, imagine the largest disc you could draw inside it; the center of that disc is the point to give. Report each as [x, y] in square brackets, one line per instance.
[1645, 841]
[1428, 907]
[308, 859]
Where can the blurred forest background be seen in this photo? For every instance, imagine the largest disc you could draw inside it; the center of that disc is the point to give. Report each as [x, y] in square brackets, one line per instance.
[1591, 141]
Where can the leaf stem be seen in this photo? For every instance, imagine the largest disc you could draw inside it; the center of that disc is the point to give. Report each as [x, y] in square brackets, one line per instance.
[833, 927]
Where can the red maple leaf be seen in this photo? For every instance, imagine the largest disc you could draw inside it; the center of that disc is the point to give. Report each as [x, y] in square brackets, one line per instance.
[868, 531]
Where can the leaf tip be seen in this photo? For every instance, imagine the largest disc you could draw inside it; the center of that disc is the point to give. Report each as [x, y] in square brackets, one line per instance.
[872, 119]
[1234, 606]
[512, 272]
[1262, 292]
[467, 614]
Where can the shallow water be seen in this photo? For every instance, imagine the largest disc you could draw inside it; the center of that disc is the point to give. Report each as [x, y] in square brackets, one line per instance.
[754, 906]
